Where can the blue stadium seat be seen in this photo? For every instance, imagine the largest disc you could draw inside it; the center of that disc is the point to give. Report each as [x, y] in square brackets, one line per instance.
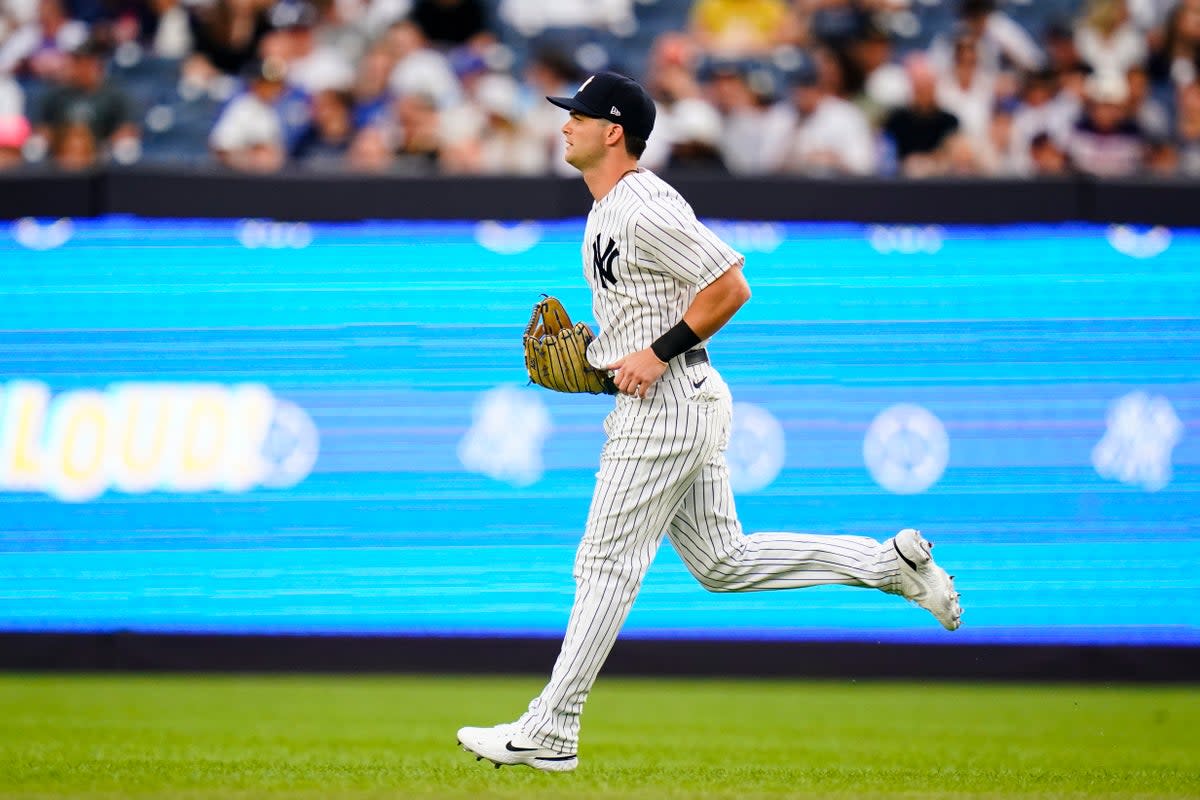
[1038, 15]
[931, 17]
[148, 80]
[35, 92]
[177, 131]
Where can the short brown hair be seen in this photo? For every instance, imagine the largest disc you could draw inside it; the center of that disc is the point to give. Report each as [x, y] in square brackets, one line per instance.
[635, 145]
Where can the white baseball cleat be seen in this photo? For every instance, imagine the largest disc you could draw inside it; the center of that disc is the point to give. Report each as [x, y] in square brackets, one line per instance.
[924, 582]
[505, 745]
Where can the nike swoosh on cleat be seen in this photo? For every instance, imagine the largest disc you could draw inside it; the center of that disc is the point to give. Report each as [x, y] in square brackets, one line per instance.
[509, 747]
[903, 557]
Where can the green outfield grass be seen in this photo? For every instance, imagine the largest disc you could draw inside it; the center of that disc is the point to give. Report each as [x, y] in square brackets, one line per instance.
[393, 737]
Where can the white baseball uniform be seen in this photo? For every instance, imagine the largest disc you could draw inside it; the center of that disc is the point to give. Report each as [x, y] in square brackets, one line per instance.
[662, 469]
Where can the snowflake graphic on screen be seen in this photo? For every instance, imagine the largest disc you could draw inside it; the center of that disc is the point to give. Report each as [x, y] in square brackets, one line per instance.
[756, 448]
[505, 440]
[1142, 431]
[906, 449]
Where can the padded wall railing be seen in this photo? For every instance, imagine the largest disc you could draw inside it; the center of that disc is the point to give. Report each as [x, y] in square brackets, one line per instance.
[171, 192]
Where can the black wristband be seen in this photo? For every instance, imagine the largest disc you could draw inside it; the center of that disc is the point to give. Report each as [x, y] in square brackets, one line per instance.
[678, 340]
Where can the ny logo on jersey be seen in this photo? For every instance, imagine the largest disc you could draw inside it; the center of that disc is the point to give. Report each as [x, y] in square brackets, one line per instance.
[602, 263]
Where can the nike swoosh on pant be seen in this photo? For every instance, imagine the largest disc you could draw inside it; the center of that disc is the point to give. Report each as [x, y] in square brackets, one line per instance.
[903, 557]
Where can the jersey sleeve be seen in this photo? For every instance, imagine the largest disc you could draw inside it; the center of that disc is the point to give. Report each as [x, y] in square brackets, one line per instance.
[679, 245]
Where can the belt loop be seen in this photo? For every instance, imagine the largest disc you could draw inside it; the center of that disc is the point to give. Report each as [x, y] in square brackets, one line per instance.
[693, 357]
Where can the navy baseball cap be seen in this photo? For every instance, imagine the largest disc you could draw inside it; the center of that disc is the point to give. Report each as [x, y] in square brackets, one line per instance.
[607, 95]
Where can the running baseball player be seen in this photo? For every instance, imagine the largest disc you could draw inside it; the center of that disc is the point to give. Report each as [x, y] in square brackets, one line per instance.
[662, 284]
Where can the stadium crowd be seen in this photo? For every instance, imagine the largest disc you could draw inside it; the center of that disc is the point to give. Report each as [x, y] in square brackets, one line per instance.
[744, 87]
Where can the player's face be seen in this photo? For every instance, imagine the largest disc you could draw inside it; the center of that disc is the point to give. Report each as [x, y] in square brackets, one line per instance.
[585, 138]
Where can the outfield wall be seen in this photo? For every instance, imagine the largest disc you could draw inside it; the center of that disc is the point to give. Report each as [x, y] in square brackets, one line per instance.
[244, 443]
[293, 196]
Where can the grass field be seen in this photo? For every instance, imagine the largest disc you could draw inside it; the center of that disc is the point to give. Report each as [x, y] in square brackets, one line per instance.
[393, 737]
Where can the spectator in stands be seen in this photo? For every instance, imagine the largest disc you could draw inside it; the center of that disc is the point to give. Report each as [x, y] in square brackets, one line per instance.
[834, 23]
[339, 28]
[1046, 157]
[1106, 39]
[73, 147]
[418, 67]
[739, 27]
[310, 67]
[551, 73]
[918, 131]
[327, 138]
[373, 17]
[1002, 40]
[492, 137]
[454, 23]
[968, 92]
[167, 31]
[1061, 53]
[12, 98]
[41, 48]
[532, 17]
[820, 134]
[470, 67]
[1162, 158]
[1187, 129]
[832, 69]
[228, 32]
[371, 96]
[672, 68]
[694, 127]
[1150, 15]
[415, 128]
[85, 96]
[1150, 114]
[371, 151]
[13, 14]
[1043, 109]
[1071, 84]
[1174, 60]
[743, 111]
[294, 102]
[1151, 18]
[1106, 141]
[14, 131]
[672, 75]
[874, 81]
[961, 157]
[249, 135]
[996, 156]
[140, 22]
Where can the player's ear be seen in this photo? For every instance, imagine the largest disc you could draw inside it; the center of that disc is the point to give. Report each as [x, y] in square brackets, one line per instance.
[615, 132]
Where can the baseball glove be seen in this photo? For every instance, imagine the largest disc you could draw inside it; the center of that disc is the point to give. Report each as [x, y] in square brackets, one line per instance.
[556, 352]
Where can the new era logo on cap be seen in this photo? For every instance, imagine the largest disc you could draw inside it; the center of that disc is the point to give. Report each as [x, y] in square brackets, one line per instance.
[628, 103]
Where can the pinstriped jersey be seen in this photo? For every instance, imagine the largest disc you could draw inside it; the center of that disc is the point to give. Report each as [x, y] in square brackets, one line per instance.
[645, 256]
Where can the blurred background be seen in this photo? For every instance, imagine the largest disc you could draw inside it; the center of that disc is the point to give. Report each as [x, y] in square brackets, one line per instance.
[744, 87]
[264, 267]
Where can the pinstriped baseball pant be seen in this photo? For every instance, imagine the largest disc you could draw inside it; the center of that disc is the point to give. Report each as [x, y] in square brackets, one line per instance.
[663, 470]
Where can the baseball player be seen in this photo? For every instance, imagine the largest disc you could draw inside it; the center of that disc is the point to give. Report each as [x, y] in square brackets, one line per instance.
[662, 284]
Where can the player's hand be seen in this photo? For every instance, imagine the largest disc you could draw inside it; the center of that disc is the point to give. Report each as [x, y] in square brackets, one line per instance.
[636, 373]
